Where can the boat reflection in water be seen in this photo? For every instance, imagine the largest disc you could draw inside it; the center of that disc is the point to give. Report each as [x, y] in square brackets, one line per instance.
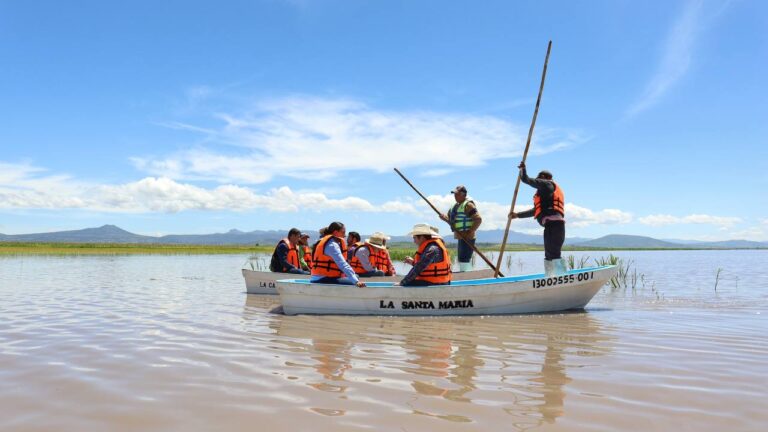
[456, 369]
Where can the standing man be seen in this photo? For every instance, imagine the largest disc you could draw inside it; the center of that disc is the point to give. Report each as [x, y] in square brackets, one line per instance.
[549, 211]
[464, 220]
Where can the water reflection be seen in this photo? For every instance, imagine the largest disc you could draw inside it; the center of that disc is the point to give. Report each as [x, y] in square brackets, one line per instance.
[517, 365]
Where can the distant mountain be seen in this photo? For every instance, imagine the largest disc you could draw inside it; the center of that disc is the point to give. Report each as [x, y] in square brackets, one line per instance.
[733, 244]
[113, 234]
[627, 241]
[102, 234]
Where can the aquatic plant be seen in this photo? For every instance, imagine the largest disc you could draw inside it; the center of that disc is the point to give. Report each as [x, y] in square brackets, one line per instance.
[573, 264]
[626, 275]
[717, 276]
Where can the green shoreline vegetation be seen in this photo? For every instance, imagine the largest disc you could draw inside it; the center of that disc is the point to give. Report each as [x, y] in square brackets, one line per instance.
[398, 251]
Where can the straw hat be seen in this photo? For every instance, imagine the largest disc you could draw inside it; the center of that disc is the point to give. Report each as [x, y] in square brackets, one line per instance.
[377, 239]
[424, 229]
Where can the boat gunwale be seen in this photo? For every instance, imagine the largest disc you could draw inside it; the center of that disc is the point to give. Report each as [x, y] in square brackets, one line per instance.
[462, 283]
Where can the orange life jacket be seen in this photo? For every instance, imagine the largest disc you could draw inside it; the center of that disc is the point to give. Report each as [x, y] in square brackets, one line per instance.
[383, 261]
[292, 257]
[556, 202]
[378, 257]
[324, 265]
[355, 262]
[437, 272]
[307, 256]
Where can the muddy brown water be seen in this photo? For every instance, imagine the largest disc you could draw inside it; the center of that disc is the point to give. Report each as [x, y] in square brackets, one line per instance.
[174, 343]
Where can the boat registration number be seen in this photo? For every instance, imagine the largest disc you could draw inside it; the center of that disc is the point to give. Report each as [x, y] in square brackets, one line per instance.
[560, 280]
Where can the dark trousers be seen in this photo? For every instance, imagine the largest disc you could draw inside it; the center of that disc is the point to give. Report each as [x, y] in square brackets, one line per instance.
[465, 251]
[554, 236]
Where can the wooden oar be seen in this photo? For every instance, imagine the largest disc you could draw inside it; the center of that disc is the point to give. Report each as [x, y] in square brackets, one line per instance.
[461, 234]
[525, 154]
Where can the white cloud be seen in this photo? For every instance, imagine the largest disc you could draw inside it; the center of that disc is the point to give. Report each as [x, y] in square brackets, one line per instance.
[305, 136]
[663, 219]
[675, 60]
[581, 217]
[27, 187]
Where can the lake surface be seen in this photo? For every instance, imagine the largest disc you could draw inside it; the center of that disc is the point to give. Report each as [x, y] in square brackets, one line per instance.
[174, 343]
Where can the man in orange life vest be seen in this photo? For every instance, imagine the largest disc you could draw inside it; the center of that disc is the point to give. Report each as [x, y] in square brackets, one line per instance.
[549, 211]
[432, 263]
[353, 238]
[285, 258]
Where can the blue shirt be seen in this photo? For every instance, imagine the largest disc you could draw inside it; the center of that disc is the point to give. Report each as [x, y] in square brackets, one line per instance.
[333, 250]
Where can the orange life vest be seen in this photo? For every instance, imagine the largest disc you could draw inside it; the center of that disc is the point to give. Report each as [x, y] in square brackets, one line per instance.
[292, 257]
[324, 265]
[383, 261]
[378, 257]
[556, 202]
[355, 262]
[307, 256]
[437, 272]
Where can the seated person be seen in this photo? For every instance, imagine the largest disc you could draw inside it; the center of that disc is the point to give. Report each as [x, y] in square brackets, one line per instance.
[432, 263]
[365, 260]
[328, 260]
[352, 242]
[381, 260]
[305, 252]
[285, 258]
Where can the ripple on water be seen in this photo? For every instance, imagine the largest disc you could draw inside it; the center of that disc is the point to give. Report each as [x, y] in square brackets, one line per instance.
[142, 343]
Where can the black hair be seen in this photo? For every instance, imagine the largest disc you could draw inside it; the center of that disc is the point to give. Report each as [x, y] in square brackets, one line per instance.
[355, 235]
[334, 226]
[294, 231]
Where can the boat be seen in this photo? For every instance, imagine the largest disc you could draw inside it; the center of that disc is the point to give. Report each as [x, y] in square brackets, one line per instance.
[532, 293]
[263, 282]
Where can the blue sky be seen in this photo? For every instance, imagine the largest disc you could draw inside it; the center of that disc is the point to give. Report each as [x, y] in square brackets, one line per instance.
[197, 117]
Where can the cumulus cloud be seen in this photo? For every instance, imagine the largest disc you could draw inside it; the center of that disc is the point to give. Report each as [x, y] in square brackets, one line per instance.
[582, 217]
[307, 136]
[28, 187]
[664, 219]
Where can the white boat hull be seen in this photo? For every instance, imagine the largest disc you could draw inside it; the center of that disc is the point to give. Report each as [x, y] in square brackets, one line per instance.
[509, 295]
[263, 282]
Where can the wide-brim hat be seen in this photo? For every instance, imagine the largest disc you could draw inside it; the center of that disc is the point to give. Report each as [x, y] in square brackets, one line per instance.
[377, 239]
[424, 229]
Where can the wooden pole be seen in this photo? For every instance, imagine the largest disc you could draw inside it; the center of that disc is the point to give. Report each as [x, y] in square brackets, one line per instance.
[525, 154]
[460, 234]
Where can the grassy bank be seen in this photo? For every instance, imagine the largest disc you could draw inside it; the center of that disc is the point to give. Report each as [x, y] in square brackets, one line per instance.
[398, 251]
[123, 249]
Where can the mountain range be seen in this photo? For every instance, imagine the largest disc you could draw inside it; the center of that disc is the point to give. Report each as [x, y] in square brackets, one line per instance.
[114, 234]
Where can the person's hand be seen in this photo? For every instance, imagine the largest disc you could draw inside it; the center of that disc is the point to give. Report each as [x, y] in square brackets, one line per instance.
[512, 215]
[360, 284]
[408, 260]
[522, 165]
[444, 217]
